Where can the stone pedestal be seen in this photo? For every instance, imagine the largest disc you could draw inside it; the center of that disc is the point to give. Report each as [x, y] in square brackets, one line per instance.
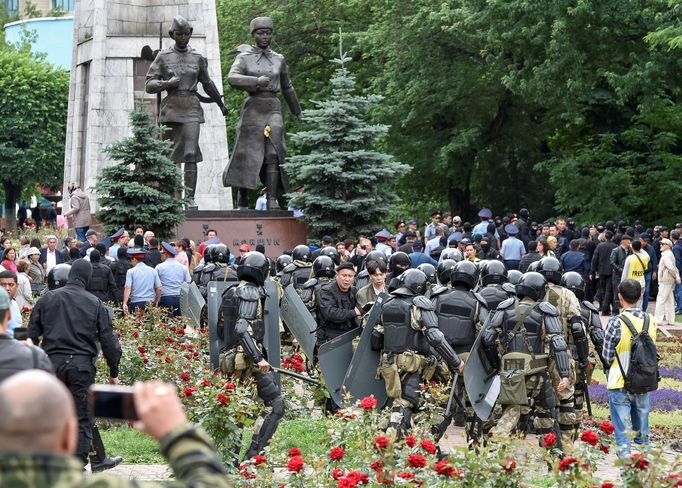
[108, 76]
[277, 230]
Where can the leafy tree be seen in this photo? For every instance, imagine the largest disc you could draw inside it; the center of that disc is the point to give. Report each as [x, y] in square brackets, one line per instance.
[142, 187]
[346, 183]
[33, 113]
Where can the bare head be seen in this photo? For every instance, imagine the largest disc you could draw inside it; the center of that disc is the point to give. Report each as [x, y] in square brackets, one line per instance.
[38, 414]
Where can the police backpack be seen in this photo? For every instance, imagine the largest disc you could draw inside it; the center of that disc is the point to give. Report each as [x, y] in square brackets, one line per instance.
[642, 374]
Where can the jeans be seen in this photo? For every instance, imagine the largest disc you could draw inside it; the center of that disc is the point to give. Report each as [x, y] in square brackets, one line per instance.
[132, 306]
[511, 264]
[80, 233]
[647, 287]
[678, 299]
[172, 302]
[629, 412]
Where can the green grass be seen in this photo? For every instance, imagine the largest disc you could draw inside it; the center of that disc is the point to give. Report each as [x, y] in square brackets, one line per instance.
[135, 447]
[305, 434]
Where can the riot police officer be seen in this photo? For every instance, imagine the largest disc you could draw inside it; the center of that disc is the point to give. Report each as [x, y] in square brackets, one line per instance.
[221, 270]
[590, 314]
[362, 279]
[244, 354]
[398, 263]
[493, 277]
[299, 271]
[444, 271]
[323, 272]
[332, 253]
[430, 271]
[573, 329]
[461, 313]
[524, 337]
[406, 333]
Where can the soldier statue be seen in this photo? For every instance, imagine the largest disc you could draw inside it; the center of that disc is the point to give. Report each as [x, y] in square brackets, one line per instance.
[244, 354]
[259, 148]
[406, 334]
[300, 270]
[178, 71]
[524, 339]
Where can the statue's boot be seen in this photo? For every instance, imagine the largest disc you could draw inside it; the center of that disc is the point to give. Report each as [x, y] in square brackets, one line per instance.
[272, 184]
[243, 199]
[191, 183]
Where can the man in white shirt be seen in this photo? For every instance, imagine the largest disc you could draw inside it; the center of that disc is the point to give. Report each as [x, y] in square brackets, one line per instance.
[49, 256]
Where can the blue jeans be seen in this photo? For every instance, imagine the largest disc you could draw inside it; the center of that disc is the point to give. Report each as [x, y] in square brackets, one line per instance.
[132, 306]
[678, 299]
[647, 287]
[172, 302]
[629, 413]
[80, 233]
[511, 264]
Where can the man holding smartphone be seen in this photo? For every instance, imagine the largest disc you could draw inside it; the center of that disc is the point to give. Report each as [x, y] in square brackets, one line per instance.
[70, 321]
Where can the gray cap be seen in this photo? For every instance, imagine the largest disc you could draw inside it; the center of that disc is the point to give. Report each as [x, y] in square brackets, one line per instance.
[32, 251]
[91, 232]
[5, 301]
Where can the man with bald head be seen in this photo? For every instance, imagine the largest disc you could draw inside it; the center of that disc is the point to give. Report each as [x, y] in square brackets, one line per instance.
[39, 435]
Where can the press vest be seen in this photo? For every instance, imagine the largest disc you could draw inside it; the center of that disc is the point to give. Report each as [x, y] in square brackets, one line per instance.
[615, 380]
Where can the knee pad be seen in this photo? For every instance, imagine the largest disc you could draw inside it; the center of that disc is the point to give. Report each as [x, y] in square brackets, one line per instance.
[266, 387]
[411, 389]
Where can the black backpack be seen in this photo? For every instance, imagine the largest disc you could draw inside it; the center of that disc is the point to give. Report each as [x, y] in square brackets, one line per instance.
[642, 374]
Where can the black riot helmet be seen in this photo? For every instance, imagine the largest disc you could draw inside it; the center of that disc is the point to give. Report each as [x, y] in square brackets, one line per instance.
[532, 285]
[208, 254]
[323, 267]
[534, 266]
[254, 267]
[220, 253]
[398, 262]
[444, 270]
[452, 253]
[574, 282]
[514, 276]
[376, 256]
[465, 274]
[551, 268]
[413, 280]
[301, 253]
[58, 276]
[429, 270]
[332, 253]
[283, 261]
[493, 272]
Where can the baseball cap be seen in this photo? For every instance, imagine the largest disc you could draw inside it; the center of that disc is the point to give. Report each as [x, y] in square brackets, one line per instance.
[244, 248]
[645, 236]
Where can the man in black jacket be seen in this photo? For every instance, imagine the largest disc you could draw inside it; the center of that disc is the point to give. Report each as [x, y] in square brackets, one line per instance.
[618, 257]
[153, 256]
[102, 283]
[70, 321]
[601, 265]
[336, 305]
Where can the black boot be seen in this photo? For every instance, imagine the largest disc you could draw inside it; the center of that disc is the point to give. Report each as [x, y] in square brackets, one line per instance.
[99, 460]
[190, 183]
[272, 184]
[243, 199]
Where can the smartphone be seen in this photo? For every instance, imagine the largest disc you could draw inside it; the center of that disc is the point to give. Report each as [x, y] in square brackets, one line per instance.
[112, 402]
[21, 333]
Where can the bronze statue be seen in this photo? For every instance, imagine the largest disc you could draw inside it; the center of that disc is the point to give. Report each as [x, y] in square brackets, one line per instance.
[178, 71]
[259, 149]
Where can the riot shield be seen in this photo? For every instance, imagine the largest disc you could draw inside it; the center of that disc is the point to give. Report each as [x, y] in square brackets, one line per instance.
[214, 299]
[360, 380]
[481, 381]
[271, 320]
[191, 303]
[334, 357]
[297, 318]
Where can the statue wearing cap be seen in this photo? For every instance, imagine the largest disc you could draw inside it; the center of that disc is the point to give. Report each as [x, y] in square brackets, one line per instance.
[178, 71]
[259, 149]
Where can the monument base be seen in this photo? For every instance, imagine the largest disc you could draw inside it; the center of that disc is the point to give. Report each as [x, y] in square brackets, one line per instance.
[277, 230]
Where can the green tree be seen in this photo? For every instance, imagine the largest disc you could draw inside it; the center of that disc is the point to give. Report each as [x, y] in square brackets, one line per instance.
[33, 113]
[346, 182]
[141, 188]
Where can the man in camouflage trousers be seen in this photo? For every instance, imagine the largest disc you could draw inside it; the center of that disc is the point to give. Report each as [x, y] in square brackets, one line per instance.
[38, 437]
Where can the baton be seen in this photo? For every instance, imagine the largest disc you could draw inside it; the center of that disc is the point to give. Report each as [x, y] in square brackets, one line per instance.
[301, 377]
[587, 396]
[453, 396]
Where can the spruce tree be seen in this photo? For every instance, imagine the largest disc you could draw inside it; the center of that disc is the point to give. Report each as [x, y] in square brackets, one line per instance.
[141, 189]
[347, 184]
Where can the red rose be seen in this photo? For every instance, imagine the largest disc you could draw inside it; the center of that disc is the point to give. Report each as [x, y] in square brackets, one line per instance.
[294, 451]
[223, 399]
[445, 468]
[185, 377]
[338, 473]
[180, 331]
[336, 453]
[357, 477]
[258, 459]
[376, 465]
[410, 441]
[168, 360]
[170, 340]
[142, 349]
[189, 390]
[603, 448]
[205, 382]
[145, 360]
[607, 484]
[590, 437]
[346, 483]
[246, 474]
[135, 334]
[368, 403]
[509, 465]
[384, 478]
[549, 440]
[607, 427]
[428, 446]
[381, 442]
[295, 464]
[407, 475]
[229, 386]
[172, 328]
[639, 461]
[416, 460]
[567, 463]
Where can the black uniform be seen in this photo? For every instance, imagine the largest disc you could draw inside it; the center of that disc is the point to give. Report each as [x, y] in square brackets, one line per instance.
[297, 273]
[495, 294]
[153, 257]
[119, 269]
[335, 312]
[310, 293]
[102, 283]
[71, 321]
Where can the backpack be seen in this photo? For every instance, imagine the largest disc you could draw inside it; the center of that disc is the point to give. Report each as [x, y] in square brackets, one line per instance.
[643, 368]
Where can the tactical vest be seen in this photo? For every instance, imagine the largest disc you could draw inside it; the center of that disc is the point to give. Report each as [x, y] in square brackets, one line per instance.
[362, 279]
[533, 331]
[457, 311]
[399, 336]
[493, 295]
[554, 297]
[229, 308]
[300, 276]
[98, 280]
[223, 273]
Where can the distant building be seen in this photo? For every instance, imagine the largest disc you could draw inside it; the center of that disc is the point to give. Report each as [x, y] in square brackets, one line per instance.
[18, 7]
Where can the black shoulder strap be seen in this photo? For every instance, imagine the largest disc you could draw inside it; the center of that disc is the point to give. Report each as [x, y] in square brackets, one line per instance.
[631, 327]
